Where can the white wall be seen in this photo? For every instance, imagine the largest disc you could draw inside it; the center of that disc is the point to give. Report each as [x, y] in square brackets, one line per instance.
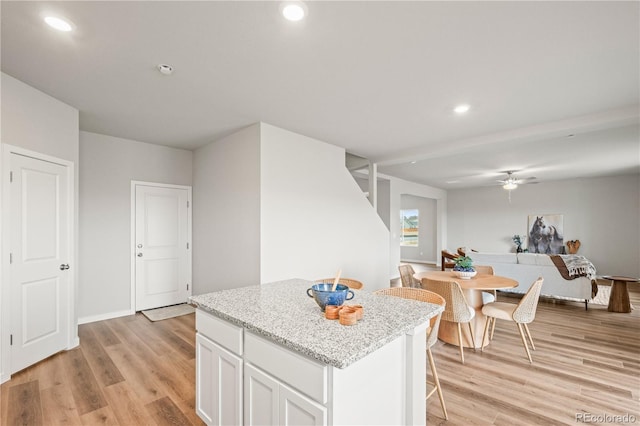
[35, 121]
[384, 202]
[427, 230]
[226, 212]
[603, 213]
[107, 167]
[314, 216]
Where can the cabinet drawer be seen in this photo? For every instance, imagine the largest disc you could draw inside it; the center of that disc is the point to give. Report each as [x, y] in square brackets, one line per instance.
[304, 374]
[220, 331]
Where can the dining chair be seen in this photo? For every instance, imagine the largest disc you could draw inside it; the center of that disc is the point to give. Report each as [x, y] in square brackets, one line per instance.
[522, 314]
[487, 296]
[432, 333]
[349, 282]
[406, 276]
[457, 309]
[447, 259]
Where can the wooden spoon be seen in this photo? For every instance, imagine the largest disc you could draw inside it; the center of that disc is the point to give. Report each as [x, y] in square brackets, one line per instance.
[335, 282]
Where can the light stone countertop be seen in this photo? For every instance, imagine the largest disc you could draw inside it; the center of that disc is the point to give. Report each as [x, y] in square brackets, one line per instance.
[283, 313]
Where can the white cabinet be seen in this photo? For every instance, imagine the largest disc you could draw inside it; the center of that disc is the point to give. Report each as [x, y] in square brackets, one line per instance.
[297, 410]
[245, 378]
[270, 402]
[260, 398]
[218, 384]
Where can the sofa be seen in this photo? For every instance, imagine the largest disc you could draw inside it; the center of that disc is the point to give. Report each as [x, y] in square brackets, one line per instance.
[527, 267]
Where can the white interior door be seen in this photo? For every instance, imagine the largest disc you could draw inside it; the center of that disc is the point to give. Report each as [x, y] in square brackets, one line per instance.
[40, 220]
[162, 246]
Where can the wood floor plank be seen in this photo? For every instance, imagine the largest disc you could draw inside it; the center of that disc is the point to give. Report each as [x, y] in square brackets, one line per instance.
[127, 407]
[103, 367]
[58, 406]
[50, 372]
[167, 332]
[106, 336]
[24, 404]
[102, 416]
[165, 412]
[84, 386]
[148, 335]
[159, 367]
[136, 374]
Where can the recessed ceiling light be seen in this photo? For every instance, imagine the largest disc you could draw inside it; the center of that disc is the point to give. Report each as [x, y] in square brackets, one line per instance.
[165, 69]
[59, 23]
[293, 10]
[462, 108]
[414, 162]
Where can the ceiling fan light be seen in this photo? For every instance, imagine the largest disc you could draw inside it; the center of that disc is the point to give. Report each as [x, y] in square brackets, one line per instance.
[510, 185]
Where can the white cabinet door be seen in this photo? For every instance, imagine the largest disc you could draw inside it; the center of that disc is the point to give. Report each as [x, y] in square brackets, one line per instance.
[260, 398]
[298, 410]
[218, 384]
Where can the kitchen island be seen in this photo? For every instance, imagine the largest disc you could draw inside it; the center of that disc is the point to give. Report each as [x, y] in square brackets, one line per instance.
[266, 355]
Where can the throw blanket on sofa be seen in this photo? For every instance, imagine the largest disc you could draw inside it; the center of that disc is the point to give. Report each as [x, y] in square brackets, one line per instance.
[572, 266]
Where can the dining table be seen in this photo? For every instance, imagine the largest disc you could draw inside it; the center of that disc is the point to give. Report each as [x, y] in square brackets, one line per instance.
[472, 289]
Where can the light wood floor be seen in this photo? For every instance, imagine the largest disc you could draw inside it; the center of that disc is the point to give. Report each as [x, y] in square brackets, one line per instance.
[584, 362]
[130, 371]
[126, 371]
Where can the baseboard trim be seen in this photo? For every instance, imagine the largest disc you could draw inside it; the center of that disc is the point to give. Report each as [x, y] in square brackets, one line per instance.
[102, 317]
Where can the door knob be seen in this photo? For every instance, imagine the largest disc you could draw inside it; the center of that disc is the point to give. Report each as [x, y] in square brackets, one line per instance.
[139, 254]
[64, 266]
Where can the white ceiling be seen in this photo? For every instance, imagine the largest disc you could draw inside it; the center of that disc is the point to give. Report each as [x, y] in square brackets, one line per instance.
[377, 78]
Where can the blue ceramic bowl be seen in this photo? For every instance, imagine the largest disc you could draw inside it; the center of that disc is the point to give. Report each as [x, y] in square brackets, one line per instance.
[323, 295]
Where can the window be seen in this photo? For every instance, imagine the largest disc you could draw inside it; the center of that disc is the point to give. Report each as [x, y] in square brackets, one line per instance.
[409, 231]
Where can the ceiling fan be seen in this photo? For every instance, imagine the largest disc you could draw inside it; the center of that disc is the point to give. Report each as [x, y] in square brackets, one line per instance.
[511, 182]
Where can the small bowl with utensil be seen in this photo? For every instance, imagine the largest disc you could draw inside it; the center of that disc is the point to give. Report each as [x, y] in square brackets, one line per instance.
[324, 294]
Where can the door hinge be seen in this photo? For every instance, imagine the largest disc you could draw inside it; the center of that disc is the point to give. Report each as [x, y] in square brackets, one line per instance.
[11, 340]
[10, 177]
[187, 286]
[187, 204]
[10, 258]
[187, 246]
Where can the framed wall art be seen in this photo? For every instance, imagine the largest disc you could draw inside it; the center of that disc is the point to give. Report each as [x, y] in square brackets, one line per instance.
[545, 234]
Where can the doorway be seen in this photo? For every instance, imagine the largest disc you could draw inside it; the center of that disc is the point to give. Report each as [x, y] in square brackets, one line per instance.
[161, 244]
[418, 229]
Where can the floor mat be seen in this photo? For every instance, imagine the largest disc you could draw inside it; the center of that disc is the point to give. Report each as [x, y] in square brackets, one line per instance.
[159, 314]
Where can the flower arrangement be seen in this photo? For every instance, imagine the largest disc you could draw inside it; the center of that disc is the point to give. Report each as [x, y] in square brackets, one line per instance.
[463, 263]
[517, 240]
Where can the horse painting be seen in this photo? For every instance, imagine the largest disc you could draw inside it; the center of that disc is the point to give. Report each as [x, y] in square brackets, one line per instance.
[544, 238]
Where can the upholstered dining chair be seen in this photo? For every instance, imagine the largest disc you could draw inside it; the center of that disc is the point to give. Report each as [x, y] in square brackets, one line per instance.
[432, 333]
[351, 283]
[487, 296]
[406, 276]
[456, 310]
[522, 314]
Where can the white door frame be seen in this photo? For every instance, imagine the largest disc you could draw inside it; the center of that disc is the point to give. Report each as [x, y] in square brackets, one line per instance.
[135, 183]
[5, 287]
